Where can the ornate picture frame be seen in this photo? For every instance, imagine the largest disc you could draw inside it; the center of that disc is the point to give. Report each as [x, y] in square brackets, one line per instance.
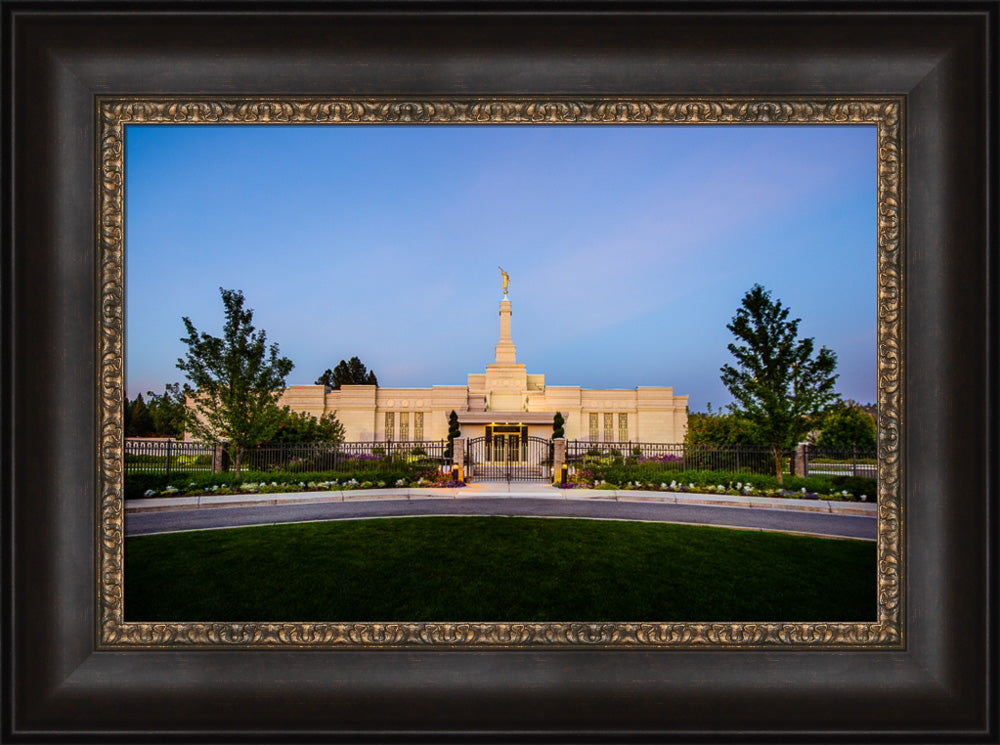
[73, 671]
[114, 114]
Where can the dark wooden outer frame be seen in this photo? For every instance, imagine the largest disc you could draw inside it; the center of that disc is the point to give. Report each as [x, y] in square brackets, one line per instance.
[59, 58]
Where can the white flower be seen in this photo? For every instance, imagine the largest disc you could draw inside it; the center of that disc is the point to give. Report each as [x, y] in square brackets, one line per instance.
[400, 482]
[663, 485]
[803, 490]
[739, 484]
[690, 486]
[864, 497]
[149, 493]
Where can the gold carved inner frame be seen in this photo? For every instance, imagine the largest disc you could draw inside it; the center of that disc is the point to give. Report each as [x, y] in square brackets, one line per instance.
[886, 113]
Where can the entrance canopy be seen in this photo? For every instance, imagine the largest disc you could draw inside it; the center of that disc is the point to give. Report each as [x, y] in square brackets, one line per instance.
[505, 417]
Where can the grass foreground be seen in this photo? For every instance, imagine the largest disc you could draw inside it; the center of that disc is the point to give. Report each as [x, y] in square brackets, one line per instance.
[496, 569]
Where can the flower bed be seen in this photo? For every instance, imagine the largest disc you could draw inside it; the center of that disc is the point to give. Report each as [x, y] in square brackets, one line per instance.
[256, 482]
[747, 485]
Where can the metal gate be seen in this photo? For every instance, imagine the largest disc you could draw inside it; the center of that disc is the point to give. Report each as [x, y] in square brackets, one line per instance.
[505, 456]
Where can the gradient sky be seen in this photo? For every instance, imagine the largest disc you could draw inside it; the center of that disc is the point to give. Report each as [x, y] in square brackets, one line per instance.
[629, 248]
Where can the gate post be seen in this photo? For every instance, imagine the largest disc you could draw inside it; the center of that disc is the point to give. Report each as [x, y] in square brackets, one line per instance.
[220, 457]
[800, 461]
[458, 458]
[559, 469]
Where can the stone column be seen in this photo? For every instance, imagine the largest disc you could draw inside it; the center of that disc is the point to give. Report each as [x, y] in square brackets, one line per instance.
[458, 457]
[220, 458]
[800, 461]
[559, 470]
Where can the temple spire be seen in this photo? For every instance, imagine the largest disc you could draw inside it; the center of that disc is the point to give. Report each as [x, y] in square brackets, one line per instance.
[506, 352]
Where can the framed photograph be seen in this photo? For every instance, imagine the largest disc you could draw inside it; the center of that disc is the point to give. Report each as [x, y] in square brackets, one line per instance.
[917, 80]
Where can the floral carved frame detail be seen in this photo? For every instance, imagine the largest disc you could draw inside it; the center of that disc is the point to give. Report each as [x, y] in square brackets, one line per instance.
[113, 114]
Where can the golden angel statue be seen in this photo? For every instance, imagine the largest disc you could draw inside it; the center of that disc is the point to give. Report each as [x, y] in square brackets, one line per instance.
[506, 279]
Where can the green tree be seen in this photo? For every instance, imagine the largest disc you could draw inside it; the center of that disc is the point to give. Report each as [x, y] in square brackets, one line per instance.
[778, 383]
[294, 426]
[454, 430]
[140, 423]
[846, 423]
[235, 380]
[557, 426]
[718, 428]
[349, 372]
[167, 411]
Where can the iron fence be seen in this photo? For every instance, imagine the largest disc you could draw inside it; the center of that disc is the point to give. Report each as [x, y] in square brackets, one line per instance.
[169, 456]
[852, 460]
[673, 457]
[166, 456]
[345, 456]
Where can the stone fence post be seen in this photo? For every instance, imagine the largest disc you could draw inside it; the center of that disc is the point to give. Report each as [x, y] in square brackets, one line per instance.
[559, 469]
[800, 460]
[458, 457]
[220, 457]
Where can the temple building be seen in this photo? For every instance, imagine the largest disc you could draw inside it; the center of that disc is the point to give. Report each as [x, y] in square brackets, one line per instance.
[505, 398]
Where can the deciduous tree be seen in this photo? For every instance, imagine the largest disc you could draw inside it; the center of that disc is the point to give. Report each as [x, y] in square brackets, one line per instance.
[235, 380]
[846, 423]
[777, 381]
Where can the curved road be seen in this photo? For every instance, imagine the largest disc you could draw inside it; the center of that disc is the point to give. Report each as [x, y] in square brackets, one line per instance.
[785, 521]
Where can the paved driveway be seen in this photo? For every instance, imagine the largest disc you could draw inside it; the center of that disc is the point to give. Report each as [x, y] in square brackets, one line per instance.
[509, 504]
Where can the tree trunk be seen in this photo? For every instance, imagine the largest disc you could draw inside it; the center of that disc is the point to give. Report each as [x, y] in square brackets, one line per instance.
[237, 457]
[778, 470]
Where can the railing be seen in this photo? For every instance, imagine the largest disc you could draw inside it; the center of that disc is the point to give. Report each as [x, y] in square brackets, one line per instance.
[169, 456]
[853, 460]
[673, 457]
[166, 456]
[345, 456]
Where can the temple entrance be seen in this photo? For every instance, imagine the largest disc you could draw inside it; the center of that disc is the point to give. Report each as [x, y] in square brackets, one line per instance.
[507, 453]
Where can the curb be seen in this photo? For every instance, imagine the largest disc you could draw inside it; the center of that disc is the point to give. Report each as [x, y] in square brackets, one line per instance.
[865, 509]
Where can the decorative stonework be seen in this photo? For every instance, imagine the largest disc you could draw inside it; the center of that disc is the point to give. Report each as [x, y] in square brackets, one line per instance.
[885, 113]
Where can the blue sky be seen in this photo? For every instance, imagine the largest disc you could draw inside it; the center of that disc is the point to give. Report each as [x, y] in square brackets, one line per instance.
[628, 247]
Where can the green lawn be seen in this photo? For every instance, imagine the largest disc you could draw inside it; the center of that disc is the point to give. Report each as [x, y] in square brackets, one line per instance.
[496, 569]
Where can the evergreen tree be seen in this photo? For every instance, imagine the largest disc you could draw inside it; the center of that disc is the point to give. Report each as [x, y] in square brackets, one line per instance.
[236, 380]
[349, 372]
[167, 411]
[454, 430]
[557, 426]
[140, 423]
[778, 383]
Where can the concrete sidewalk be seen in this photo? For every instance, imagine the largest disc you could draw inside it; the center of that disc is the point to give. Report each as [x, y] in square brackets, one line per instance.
[501, 491]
